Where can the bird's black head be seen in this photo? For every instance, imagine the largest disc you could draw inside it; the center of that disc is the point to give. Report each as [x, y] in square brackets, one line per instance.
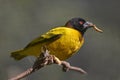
[79, 24]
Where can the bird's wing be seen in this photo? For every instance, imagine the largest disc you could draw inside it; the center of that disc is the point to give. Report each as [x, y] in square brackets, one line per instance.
[49, 37]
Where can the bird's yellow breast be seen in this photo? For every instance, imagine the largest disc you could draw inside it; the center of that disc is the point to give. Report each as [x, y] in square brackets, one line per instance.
[69, 43]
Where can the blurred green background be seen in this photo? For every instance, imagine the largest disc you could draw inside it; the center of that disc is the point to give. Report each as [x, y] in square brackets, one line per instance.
[23, 20]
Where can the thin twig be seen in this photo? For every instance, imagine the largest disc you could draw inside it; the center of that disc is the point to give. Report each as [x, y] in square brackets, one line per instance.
[46, 59]
[22, 75]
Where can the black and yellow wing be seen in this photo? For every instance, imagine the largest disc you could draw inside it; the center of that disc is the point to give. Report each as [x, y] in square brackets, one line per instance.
[47, 38]
[33, 48]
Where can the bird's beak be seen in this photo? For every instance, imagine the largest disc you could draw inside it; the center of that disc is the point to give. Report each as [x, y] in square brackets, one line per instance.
[89, 25]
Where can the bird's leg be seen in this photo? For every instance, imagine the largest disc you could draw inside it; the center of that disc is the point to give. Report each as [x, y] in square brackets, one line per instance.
[44, 51]
[43, 59]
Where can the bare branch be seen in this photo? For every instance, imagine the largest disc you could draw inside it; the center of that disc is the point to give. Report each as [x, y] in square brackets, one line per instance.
[46, 59]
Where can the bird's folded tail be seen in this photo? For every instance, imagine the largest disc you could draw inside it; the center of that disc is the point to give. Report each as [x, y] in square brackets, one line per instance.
[18, 55]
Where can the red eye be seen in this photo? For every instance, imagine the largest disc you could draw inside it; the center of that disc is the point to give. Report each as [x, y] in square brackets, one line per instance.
[81, 22]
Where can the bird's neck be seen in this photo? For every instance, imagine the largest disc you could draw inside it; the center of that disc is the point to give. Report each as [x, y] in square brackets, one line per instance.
[83, 31]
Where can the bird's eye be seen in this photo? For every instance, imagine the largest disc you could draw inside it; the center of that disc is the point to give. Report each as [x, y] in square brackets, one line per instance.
[81, 22]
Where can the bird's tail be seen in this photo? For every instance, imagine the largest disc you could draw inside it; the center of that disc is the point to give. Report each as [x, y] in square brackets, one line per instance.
[18, 55]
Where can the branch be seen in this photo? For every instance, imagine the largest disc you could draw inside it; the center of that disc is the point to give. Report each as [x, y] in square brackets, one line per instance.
[46, 59]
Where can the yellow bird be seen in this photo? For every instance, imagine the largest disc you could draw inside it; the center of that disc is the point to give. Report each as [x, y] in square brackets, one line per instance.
[61, 41]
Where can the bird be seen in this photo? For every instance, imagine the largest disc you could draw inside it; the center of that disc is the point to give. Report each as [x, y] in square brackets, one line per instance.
[61, 41]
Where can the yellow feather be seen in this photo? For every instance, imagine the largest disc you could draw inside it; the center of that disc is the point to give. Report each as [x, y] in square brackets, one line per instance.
[61, 42]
